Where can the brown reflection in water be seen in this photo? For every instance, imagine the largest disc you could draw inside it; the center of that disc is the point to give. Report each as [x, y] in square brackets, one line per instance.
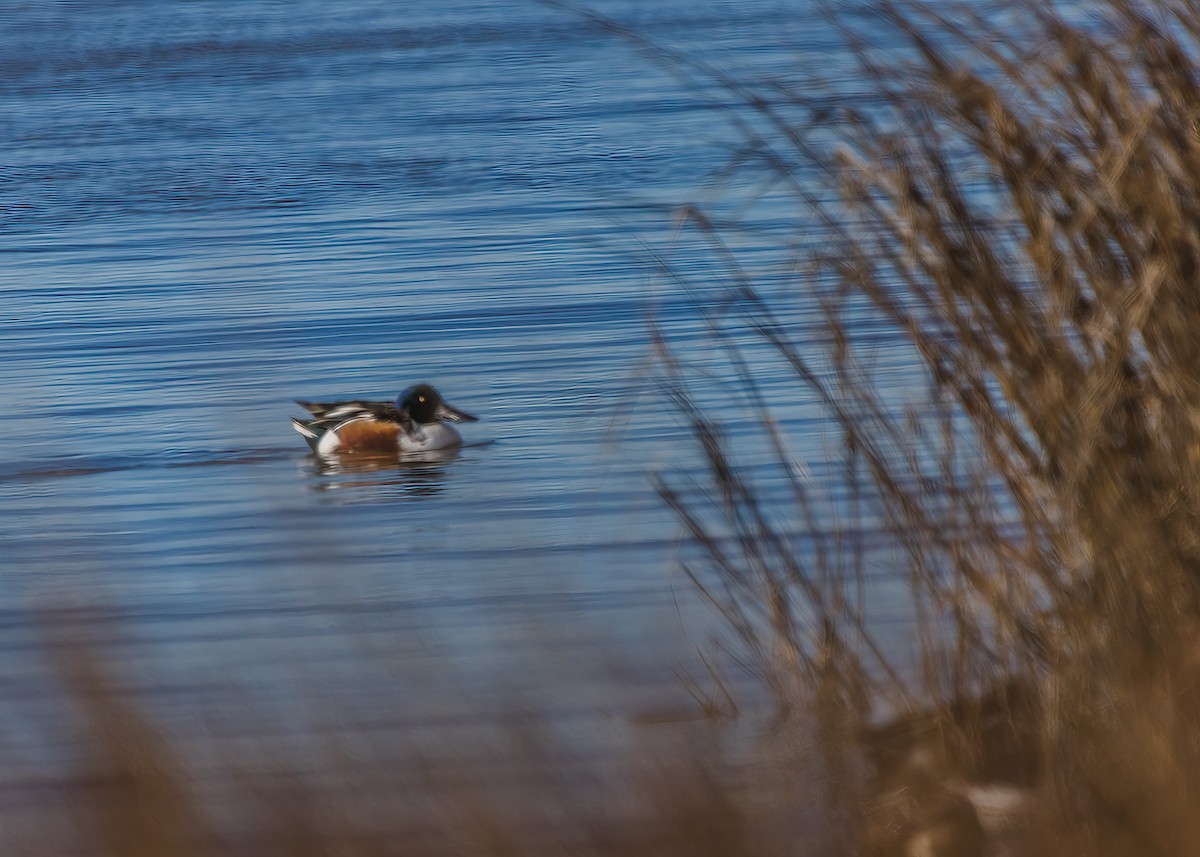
[410, 476]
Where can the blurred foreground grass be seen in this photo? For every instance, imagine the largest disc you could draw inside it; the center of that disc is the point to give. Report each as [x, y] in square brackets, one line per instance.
[1020, 198]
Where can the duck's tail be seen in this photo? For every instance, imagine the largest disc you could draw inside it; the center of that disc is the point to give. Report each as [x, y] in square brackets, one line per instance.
[309, 435]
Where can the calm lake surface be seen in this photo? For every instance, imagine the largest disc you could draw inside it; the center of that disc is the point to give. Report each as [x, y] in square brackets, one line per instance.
[210, 209]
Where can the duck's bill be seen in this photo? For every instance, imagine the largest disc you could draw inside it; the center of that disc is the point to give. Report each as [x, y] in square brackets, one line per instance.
[454, 415]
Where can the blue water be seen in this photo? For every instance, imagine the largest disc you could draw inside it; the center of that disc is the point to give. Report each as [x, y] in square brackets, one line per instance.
[208, 209]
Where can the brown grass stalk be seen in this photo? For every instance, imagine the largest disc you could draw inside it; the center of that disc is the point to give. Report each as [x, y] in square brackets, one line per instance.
[1020, 204]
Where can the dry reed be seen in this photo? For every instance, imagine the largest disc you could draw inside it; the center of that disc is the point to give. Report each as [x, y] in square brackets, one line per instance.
[1020, 203]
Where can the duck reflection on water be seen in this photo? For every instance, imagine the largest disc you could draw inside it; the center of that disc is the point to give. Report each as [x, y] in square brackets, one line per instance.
[410, 476]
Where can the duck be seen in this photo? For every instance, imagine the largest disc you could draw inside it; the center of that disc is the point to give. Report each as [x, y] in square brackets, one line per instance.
[416, 422]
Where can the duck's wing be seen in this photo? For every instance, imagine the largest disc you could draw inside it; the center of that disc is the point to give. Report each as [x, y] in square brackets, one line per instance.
[322, 410]
[334, 416]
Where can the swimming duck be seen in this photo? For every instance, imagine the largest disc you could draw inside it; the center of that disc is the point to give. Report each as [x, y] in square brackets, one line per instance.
[415, 423]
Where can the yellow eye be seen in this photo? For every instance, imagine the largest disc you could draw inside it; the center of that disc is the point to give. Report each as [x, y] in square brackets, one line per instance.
[420, 398]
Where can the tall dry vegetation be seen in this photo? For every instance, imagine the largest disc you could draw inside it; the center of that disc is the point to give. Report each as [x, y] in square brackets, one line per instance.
[1022, 203]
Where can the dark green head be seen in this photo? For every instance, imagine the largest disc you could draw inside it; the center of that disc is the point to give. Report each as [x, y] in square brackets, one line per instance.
[425, 405]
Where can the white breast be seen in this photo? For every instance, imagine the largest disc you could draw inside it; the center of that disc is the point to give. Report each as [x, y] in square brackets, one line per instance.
[431, 436]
